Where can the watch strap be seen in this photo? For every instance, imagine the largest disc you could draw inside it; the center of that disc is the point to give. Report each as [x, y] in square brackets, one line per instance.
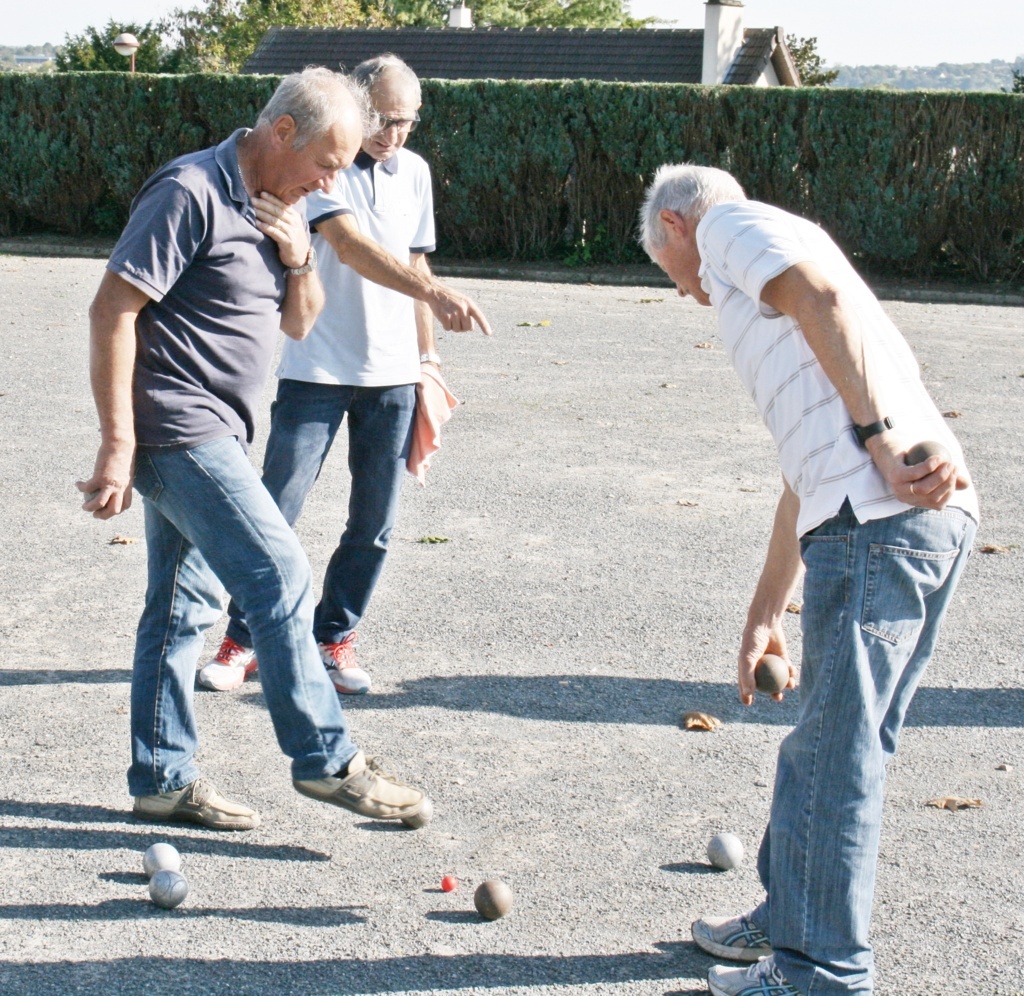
[308, 267]
[865, 432]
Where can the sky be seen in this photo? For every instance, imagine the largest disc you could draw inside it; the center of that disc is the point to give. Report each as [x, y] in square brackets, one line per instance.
[861, 33]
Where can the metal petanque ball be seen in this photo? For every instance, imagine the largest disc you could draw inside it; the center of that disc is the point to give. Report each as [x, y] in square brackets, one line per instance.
[492, 899]
[725, 851]
[168, 889]
[161, 857]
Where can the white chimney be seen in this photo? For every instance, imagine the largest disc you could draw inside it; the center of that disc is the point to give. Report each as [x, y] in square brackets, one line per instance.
[723, 38]
[460, 16]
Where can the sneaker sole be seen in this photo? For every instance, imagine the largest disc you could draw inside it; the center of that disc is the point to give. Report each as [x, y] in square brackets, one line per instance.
[239, 823]
[415, 816]
[217, 685]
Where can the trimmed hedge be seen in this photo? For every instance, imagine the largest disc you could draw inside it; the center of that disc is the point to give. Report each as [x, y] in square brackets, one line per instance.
[920, 183]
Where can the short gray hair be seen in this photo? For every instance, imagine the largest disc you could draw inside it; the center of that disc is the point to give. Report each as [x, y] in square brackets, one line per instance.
[687, 190]
[312, 98]
[367, 73]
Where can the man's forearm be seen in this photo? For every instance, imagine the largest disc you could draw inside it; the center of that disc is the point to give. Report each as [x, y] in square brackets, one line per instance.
[424, 316]
[304, 300]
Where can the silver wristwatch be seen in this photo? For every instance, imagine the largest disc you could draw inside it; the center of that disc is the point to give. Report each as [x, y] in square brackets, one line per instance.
[308, 267]
[430, 358]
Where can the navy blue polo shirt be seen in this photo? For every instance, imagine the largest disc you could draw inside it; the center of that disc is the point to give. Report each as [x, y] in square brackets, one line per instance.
[206, 338]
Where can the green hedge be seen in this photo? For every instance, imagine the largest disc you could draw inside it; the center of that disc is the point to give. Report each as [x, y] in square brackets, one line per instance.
[921, 183]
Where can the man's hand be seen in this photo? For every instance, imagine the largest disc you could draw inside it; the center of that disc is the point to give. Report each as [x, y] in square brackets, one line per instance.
[285, 226]
[109, 491]
[760, 639]
[455, 311]
[929, 484]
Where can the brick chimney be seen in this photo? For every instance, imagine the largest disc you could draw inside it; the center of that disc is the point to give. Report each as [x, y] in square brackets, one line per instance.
[723, 38]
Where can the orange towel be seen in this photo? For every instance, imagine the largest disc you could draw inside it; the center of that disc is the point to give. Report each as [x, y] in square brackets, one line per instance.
[434, 406]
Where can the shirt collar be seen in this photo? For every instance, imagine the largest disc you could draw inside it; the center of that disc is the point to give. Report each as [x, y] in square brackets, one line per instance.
[364, 160]
[226, 155]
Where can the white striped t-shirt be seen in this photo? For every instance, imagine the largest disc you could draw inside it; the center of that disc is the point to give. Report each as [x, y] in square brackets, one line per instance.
[743, 245]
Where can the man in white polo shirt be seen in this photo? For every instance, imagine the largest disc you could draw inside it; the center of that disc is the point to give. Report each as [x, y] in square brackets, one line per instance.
[361, 360]
[880, 546]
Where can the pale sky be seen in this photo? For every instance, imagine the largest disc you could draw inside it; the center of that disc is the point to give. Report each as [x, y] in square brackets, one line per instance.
[864, 32]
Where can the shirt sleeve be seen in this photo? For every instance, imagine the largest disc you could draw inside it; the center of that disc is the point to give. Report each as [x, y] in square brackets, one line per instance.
[425, 239]
[746, 244]
[320, 206]
[165, 230]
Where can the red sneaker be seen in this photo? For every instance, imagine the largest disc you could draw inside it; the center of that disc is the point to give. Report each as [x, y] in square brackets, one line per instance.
[232, 665]
[340, 660]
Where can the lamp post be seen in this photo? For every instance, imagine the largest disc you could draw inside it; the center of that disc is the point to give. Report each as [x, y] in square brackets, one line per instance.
[125, 44]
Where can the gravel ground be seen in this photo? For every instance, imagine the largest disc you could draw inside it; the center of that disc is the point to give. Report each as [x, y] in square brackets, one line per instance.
[606, 491]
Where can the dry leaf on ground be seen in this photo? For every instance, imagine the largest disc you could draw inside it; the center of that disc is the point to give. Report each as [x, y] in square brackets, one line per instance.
[994, 548]
[432, 539]
[650, 300]
[794, 608]
[545, 322]
[951, 414]
[123, 541]
[688, 504]
[700, 721]
[954, 802]
[704, 345]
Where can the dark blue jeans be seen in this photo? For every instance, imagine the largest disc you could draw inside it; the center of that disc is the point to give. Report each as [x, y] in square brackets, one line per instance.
[304, 420]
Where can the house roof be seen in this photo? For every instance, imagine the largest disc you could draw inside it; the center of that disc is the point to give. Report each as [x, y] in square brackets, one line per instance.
[616, 55]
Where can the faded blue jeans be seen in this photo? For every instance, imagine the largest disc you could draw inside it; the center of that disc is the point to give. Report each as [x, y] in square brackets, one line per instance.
[208, 517]
[304, 420]
[874, 597]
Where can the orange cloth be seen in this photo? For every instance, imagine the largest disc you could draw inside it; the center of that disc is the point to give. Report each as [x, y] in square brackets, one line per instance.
[434, 406]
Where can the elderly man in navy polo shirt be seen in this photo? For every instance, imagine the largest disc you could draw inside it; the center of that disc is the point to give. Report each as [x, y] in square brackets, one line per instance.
[215, 259]
[362, 359]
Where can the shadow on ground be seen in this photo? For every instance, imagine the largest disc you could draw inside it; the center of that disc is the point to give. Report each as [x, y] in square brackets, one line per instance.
[573, 698]
[673, 961]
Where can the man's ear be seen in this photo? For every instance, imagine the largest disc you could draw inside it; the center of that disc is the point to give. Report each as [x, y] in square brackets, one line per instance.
[676, 226]
[283, 130]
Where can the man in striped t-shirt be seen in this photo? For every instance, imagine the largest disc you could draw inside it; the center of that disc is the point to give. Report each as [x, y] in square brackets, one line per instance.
[880, 546]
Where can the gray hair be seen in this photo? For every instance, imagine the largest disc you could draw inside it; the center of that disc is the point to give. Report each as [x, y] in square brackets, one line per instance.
[312, 99]
[367, 73]
[687, 190]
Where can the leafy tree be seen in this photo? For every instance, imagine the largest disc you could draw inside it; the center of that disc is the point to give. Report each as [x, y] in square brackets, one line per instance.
[809, 63]
[1018, 82]
[220, 35]
[93, 50]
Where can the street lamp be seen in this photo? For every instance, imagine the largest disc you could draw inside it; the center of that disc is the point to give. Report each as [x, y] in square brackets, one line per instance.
[125, 44]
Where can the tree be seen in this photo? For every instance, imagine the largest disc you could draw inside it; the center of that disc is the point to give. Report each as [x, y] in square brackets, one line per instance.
[810, 64]
[93, 51]
[221, 34]
[1018, 82]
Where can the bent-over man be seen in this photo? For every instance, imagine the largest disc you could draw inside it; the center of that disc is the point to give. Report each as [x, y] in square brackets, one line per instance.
[880, 545]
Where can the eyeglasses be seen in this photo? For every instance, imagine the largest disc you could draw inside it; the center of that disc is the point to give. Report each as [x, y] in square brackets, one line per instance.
[402, 124]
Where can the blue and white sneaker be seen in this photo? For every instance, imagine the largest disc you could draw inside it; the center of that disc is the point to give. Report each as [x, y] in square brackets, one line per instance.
[734, 937]
[760, 979]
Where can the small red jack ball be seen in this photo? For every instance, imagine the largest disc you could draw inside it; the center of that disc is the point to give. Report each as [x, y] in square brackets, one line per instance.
[449, 883]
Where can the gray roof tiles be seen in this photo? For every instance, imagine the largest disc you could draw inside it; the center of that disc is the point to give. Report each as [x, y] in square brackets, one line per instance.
[619, 55]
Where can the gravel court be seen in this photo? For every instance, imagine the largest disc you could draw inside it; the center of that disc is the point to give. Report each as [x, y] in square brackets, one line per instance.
[606, 491]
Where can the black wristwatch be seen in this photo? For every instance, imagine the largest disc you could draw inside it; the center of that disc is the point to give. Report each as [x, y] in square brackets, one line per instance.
[865, 432]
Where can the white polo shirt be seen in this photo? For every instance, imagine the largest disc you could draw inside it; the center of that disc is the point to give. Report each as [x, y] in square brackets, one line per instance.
[743, 245]
[366, 334]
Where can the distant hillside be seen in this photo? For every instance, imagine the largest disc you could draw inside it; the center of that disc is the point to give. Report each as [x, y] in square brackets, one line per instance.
[995, 76]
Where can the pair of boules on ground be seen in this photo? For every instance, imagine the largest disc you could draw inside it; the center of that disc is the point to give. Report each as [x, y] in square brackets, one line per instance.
[167, 886]
[492, 899]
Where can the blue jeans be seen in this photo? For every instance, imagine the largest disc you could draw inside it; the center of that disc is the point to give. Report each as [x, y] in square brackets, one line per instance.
[874, 597]
[304, 420]
[208, 517]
